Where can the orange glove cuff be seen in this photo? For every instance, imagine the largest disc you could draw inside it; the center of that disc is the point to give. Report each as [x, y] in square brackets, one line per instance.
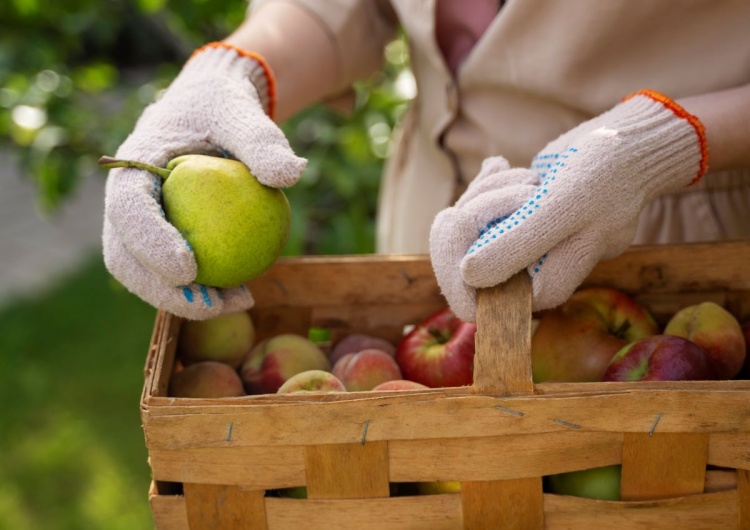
[693, 120]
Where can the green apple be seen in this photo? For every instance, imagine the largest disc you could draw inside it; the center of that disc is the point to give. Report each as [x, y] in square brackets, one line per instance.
[596, 483]
[226, 338]
[236, 226]
[437, 487]
[297, 492]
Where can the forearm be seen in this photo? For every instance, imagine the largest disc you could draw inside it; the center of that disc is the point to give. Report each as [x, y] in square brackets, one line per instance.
[726, 117]
[298, 50]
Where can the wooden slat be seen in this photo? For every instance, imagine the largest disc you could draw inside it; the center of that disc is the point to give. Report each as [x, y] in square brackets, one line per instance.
[153, 357]
[743, 499]
[273, 321]
[418, 416]
[371, 318]
[508, 504]
[663, 465]
[558, 389]
[444, 512]
[266, 467]
[502, 362]
[169, 511]
[347, 280]
[738, 303]
[729, 450]
[429, 512]
[165, 349]
[676, 268]
[711, 511]
[720, 480]
[486, 458]
[217, 507]
[347, 471]
[502, 457]
[310, 281]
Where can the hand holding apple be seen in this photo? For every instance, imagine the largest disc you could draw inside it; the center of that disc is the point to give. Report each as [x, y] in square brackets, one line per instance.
[235, 226]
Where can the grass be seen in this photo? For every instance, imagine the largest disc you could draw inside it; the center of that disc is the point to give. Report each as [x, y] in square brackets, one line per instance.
[72, 452]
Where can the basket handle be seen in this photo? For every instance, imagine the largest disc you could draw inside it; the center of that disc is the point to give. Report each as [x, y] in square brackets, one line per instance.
[502, 361]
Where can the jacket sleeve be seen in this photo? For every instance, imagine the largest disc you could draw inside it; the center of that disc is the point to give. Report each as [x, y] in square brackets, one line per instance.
[359, 30]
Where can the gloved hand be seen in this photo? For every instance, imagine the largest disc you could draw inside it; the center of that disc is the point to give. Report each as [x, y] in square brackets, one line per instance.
[496, 192]
[220, 103]
[595, 180]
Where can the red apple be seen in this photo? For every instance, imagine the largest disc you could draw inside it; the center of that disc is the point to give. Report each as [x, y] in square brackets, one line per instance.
[439, 351]
[400, 384]
[366, 369]
[660, 358]
[357, 342]
[312, 381]
[272, 361]
[576, 340]
[714, 329]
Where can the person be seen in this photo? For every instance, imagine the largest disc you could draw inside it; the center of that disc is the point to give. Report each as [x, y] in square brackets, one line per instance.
[589, 126]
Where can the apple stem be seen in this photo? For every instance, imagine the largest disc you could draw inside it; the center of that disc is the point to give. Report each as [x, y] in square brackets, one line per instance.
[440, 336]
[622, 330]
[107, 162]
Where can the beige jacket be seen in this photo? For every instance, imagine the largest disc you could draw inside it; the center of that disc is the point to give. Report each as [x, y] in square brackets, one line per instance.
[541, 68]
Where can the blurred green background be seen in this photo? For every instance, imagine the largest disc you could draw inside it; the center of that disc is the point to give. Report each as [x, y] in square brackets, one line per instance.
[74, 76]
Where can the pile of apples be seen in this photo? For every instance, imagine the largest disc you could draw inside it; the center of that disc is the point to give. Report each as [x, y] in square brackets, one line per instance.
[598, 334]
[602, 334]
[219, 358]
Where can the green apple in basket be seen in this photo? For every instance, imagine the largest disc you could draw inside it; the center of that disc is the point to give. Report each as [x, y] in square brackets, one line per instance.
[236, 226]
[601, 483]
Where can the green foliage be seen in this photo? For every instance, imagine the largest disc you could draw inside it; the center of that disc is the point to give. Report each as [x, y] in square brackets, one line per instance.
[75, 75]
[334, 203]
[71, 373]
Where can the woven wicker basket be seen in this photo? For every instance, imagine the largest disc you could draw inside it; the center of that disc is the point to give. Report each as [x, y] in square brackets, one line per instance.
[684, 446]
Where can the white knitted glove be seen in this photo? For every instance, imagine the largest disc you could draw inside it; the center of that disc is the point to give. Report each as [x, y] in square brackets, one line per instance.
[495, 193]
[595, 181]
[219, 104]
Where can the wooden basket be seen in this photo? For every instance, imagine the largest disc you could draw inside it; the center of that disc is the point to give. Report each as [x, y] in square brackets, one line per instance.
[684, 446]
